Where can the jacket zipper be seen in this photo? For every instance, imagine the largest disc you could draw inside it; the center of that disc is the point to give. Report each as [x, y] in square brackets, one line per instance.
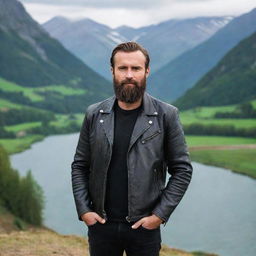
[104, 187]
[152, 136]
[128, 218]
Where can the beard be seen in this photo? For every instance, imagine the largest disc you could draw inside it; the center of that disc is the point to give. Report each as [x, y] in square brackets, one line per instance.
[127, 93]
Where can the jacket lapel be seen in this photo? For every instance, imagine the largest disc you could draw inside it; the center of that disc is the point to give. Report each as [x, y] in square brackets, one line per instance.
[107, 117]
[145, 121]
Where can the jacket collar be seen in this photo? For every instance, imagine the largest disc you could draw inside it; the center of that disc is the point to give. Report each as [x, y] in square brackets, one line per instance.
[147, 102]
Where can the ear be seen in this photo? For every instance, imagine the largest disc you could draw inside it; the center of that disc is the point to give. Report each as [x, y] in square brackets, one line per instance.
[147, 72]
[112, 71]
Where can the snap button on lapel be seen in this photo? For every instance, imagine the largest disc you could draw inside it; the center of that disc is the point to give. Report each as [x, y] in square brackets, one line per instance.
[101, 121]
[150, 122]
[101, 111]
[155, 113]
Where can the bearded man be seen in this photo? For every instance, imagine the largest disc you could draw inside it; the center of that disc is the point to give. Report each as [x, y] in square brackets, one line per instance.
[127, 145]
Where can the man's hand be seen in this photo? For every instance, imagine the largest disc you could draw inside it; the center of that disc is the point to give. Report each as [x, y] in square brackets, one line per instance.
[90, 218]
[151, 222]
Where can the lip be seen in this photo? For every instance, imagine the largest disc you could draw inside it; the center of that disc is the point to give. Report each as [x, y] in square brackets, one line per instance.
[130, 84]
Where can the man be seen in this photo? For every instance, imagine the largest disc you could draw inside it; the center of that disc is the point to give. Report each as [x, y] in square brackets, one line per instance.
[127, 144]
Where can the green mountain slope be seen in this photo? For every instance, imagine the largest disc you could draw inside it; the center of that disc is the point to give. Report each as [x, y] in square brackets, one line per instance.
[232, 81]
[31, 58]
[173, 80]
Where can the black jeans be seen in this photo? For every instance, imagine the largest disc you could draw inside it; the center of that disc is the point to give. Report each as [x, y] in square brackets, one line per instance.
[113, 238]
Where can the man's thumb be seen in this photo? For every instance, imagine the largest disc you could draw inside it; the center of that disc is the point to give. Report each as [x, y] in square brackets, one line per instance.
[101, 220]
[137, 224]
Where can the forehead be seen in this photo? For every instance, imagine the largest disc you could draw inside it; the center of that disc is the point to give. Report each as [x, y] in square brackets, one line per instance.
[130, 58]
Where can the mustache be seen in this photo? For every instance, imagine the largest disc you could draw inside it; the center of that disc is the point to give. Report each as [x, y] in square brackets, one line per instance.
[129, 82]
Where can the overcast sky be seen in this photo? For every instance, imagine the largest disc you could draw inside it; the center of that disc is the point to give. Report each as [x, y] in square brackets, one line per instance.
[135, 13]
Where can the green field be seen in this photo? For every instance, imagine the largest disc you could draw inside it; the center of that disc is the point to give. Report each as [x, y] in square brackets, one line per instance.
[63, 120]
[19, 144]
[34, 93]
[62, 90]
[205, 116]
[240, 160]
[8, 104]
[193, 141]
[22, 127]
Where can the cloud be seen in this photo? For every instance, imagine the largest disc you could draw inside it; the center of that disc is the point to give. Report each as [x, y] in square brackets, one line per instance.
[134, 13]
[116, 4]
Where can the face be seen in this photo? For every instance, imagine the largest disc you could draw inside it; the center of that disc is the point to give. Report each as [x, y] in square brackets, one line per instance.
[129, 76]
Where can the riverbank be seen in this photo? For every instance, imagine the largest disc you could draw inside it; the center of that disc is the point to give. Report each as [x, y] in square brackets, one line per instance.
[233, 153]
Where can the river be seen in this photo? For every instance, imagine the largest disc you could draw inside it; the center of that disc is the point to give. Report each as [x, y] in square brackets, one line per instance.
[217, 214]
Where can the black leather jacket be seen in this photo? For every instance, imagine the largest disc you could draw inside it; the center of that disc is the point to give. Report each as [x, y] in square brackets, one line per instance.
[157, 145]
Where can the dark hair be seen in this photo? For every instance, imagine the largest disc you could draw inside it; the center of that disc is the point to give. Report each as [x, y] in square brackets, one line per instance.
[129, 47]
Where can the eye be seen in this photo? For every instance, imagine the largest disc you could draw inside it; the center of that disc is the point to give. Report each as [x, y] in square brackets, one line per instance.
[136, 68]
[122, 68]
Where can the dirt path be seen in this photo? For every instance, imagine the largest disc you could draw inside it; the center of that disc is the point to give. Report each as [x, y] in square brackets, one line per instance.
[223, 147]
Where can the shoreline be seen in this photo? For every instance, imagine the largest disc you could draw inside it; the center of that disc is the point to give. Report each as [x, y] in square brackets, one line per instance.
[199, 153]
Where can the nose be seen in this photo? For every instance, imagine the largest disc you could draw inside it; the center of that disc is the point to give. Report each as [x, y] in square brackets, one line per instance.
[129, 74]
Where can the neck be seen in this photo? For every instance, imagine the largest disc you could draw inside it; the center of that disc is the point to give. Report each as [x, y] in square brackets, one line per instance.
[129, 106]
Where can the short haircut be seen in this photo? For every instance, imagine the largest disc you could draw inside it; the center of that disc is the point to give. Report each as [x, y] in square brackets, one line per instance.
[129, 47]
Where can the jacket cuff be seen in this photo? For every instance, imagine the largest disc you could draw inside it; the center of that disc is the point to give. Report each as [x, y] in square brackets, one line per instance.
[161, 216]
[83, 212]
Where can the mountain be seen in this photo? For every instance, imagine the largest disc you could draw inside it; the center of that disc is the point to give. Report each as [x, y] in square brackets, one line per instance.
[232, 81]
[90, 41]
[167, 40]
[93, 42]
[31, 58]
[176, 77]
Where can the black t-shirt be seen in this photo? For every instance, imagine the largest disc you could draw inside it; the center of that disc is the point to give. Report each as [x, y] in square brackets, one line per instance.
[116, 204]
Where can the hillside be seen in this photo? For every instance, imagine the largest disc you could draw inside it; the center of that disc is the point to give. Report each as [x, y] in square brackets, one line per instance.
[174, 79]
[41, 242]
[232, 81]
[31, 58]
[28, 240]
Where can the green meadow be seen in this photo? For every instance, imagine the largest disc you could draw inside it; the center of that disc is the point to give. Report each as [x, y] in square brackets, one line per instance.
[194, 141]
[6, 104]
[239, 160]
[205, 116]
[19, 144]
[33, 93]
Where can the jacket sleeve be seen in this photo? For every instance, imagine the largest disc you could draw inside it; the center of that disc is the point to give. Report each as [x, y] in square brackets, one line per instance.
[179, 167]
[81, 169]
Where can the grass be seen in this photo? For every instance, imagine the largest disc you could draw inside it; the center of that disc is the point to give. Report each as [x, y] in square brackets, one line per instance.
[22, 127]
[19, 144]
[193, 141]
[240, 160]
[33, 93]
[254, 104]
[43, 242]
[8, 104]
[188, 118]
[64, 90]
[205, 115]
[12, 87]
[63, 120]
